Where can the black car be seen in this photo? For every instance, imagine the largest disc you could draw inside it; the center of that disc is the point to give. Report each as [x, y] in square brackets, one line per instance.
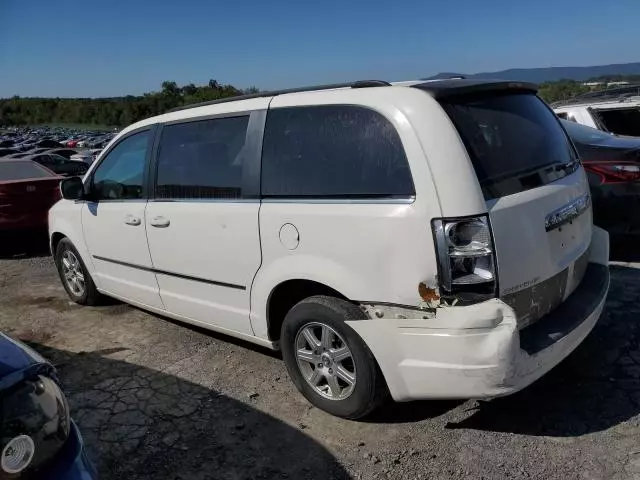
[63, 152]
[48, 143]
[59, 164]
[18, 155]
[7, 151]
[612, 163]
[38, 439]
[33, 151]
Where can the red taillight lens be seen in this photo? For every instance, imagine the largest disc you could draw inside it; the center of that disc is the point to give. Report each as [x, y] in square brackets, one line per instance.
[614, 172]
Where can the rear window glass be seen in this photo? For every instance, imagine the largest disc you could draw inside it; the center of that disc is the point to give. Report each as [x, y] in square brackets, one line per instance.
[583, 134]
[337, 151]
[21, 171]
[621, 121]
[515, 142]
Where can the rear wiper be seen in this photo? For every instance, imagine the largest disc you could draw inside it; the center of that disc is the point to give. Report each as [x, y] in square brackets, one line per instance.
[571, 166]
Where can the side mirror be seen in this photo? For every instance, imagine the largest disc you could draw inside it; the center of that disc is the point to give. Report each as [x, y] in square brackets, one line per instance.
[72, 188]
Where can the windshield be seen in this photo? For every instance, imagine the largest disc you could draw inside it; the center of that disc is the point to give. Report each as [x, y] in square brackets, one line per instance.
[21, 170]
[514, 140]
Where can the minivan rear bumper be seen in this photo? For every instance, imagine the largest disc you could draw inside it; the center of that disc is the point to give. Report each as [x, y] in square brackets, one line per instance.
[423, 359]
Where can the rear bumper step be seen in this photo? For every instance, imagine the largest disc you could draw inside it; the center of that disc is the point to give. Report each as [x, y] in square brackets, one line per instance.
[570, 314]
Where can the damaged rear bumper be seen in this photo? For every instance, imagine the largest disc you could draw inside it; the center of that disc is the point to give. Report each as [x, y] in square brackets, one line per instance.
[478, 351]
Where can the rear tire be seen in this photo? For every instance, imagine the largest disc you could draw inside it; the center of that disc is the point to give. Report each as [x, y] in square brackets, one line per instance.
[74, 275]
[328, 361]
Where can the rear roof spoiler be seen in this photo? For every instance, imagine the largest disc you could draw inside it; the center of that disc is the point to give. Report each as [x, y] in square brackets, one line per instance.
[454, 87]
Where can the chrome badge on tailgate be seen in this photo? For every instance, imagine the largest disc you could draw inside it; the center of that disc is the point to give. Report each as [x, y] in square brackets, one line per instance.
[565, 214]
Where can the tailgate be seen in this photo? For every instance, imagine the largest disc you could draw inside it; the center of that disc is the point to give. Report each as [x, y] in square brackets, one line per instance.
[536, 193]
[542, 238]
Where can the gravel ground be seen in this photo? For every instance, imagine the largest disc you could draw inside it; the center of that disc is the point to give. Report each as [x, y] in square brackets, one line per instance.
[159, 400]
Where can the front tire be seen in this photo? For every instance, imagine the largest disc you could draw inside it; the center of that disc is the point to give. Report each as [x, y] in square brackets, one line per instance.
[74, 275]
[328, 361]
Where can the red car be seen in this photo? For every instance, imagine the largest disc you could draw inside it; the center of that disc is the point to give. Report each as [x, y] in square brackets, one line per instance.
[27, 192]
[72, 143]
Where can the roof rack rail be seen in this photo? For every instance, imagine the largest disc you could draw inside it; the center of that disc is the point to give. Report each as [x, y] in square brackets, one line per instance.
[273, 93]
[607, 95]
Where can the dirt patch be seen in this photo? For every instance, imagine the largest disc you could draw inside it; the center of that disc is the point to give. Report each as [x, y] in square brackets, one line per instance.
[116, 309]
[57, 303]
[33, 336]
[157, 399]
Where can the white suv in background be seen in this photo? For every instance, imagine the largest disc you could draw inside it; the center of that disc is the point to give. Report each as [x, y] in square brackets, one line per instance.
[423, 239]
[616, 110]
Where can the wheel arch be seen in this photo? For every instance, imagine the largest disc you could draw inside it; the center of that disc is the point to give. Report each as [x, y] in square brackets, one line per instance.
[289, 274]
[288, 293]
[54, 241]
[62, 229]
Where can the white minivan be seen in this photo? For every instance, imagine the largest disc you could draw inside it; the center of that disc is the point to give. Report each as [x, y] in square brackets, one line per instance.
[419, 240]
[614, 110]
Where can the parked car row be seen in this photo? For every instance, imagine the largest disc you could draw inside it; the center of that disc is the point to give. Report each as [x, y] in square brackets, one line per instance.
[48, 152]
[21, 139]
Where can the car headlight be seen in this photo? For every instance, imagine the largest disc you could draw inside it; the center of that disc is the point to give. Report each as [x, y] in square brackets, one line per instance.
[34, 424]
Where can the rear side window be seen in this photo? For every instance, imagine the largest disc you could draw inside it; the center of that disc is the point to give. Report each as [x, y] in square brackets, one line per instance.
[621, 121]
[333, 152]
[21, 170]
[202, 159]
[515, 142]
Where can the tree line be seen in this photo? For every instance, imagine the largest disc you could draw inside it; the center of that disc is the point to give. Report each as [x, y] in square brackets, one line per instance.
[567, 89]
[122, 111]
[116, 111]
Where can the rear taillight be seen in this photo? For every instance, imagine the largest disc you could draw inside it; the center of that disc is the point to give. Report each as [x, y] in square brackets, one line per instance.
[614, 172]
[466, 255]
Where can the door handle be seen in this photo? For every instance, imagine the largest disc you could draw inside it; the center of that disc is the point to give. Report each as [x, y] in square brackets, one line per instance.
[159, 222]
[131, 220]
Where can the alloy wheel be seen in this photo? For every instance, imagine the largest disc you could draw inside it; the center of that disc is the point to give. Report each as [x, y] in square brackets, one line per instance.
[325, 361]
[72, 272]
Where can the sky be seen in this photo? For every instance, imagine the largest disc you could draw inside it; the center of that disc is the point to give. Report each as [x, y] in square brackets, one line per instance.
[96, 48]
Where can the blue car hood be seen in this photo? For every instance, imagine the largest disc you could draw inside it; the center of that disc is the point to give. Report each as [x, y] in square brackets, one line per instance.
[18, 360]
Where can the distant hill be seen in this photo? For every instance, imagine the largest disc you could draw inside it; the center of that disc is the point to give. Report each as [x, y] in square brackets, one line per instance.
[552, 74]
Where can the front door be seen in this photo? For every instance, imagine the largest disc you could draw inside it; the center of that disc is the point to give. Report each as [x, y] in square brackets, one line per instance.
[113, 222]
[202, 230]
